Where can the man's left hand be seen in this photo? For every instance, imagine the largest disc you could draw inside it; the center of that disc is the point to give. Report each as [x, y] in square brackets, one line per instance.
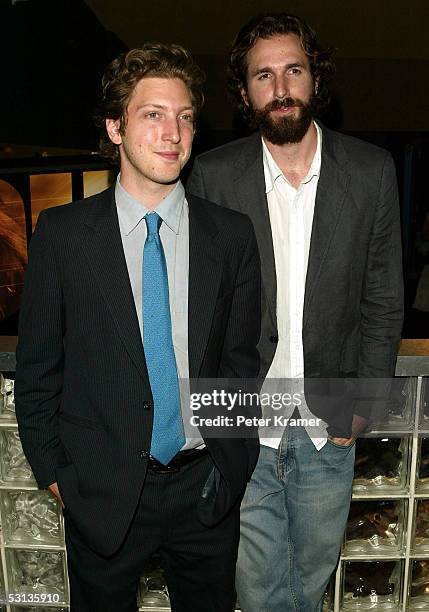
[342, 441]
[359, 424]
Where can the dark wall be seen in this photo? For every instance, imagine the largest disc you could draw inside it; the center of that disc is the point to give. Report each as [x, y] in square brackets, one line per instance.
[52, 54]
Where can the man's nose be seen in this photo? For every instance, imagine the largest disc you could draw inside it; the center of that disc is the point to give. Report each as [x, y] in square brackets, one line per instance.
[172, 131]
[281, 87]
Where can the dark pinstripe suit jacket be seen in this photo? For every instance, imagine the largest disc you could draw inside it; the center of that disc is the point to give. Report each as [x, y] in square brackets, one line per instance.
[83, 399]
[353, 303]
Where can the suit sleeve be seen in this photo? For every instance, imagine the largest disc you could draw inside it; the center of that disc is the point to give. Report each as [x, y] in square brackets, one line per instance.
[195, 183]
[382, 296]
[40, 355]
[240, 358]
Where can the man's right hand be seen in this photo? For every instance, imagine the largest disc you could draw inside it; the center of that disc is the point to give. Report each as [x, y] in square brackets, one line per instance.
[54, 490]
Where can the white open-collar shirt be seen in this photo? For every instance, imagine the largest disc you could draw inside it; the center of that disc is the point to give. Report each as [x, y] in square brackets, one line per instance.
[291, 213]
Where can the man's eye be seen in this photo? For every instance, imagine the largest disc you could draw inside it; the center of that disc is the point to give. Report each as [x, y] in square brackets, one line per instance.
[263, 76]
[187, 117]
[152, 115]
[295, 71]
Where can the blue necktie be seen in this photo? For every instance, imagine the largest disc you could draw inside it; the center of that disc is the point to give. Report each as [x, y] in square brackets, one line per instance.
[167, 433]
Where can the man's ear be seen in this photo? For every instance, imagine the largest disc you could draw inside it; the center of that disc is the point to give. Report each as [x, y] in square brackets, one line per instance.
[244, 96]
[112, 127]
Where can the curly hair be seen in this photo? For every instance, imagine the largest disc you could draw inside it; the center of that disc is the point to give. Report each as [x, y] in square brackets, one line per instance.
[265, 26]
[123, 73]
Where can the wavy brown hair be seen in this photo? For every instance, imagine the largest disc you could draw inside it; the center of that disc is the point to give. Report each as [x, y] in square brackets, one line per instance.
[265, 26]
[123, 73]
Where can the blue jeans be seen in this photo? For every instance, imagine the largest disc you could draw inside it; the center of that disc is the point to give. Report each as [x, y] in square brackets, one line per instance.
[293, 517]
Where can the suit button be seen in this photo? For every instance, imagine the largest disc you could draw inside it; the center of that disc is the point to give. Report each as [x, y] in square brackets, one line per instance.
[144, 454]
[146, 406]
[274, 339]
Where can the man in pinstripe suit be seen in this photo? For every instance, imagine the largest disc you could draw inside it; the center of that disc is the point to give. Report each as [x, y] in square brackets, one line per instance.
[88, 389]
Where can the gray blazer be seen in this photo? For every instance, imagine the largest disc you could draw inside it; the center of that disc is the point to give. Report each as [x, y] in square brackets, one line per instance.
[353, 305]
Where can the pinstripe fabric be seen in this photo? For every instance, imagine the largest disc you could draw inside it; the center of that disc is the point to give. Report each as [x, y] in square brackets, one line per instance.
[199, 561]
[83, 398]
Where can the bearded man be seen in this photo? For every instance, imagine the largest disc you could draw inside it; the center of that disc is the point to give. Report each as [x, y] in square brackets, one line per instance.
[325, 211]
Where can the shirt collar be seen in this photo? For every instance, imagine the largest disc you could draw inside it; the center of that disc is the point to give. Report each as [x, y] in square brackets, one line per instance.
[272, 171]
[131, 211]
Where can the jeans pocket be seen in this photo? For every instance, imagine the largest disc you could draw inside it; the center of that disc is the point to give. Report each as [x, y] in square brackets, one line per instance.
[341, 446]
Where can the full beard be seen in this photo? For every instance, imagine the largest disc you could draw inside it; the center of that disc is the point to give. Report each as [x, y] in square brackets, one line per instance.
[287, 129]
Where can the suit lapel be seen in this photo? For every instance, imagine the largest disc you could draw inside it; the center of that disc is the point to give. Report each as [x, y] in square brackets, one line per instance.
[205, 273]
[250, 190]
[331, 192]
[104, 251]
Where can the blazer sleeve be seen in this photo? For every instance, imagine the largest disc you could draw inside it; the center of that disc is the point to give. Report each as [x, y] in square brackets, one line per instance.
[195, 183]
[382, 296]
[40, 355]
[240, 358]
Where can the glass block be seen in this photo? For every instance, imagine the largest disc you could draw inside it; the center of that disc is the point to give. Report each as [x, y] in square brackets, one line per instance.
[7, 398]
[153, 592]
[371, 585]
[37, 572]
[400, 406]
[2, 589]
[420, 542]
[424, 414]
[422, 480]
[381, 465]
[419, 585]
[1, 394]
[14, 467]
[30, 517]
[375, 527]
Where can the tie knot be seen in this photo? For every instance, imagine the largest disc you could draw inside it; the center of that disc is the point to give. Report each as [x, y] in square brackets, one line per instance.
[153, 223]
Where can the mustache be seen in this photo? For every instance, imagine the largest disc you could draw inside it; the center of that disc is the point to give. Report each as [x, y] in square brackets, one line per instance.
[283, 103]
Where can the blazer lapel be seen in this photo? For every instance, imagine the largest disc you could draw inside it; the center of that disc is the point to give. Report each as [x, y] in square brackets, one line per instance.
[250, 190]
[331, 193]
[205, 273]
[105, 254]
